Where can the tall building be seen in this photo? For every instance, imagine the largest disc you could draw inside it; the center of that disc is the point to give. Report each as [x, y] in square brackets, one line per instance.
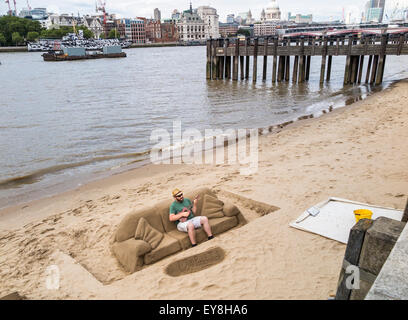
[264, 29]
[231, 18]
[191, 27]
[272, 12]
[133, 30]
[374, 11]
[211, 21]
[175, 15]
[157, 14]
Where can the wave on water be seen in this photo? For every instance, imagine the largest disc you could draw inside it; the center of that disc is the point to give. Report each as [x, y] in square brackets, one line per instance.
[36, 176]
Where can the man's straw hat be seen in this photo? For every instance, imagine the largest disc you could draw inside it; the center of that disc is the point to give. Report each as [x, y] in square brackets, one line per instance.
[175, 192]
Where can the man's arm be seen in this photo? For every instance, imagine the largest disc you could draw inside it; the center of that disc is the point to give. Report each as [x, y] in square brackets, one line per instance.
[174, 217]
[194, 209]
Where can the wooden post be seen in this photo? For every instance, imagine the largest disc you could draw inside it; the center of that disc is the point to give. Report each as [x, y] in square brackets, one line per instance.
[374, 70]
[265, 60]
[370, 62]
[323, 67]
[208, 69]
[255, 69]
[354, 67]
[214, 59]
[247, 45]
[400, 43]
[329, 66]
[347, 73]
[295, 69]
[380, 75]
[242, 66]
[227, 60]
[281, 68]
[221, 62]
[360, 72]
[308, 60]
[275, 59]
[302, 60]
[236, 57]
[217, 59]
[287, 72]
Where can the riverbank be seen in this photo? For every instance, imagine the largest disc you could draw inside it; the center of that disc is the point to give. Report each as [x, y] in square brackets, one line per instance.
[13, 49]
[133, 46]
[358, 153]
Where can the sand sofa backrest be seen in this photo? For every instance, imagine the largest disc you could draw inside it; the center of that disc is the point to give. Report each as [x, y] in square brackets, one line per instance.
[133, 253]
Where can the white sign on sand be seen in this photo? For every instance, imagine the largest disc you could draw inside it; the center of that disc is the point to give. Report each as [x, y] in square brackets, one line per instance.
[335, 218]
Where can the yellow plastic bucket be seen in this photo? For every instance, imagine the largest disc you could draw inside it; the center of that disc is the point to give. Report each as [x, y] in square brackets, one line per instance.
[362, 214]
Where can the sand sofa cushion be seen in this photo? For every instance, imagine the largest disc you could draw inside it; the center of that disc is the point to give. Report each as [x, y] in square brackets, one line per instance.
[212, 207]
[230, 210]
[130, 253]
[146, 232]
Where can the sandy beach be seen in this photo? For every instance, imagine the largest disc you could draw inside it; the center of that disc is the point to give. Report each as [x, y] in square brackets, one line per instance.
[358, 152]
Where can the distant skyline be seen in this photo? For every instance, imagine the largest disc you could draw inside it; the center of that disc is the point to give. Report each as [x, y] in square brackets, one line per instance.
[322, 10]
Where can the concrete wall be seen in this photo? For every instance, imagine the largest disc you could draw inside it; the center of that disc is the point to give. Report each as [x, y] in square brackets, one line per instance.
[368, 248]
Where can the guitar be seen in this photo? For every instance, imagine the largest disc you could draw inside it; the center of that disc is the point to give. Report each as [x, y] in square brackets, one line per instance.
[189, 210]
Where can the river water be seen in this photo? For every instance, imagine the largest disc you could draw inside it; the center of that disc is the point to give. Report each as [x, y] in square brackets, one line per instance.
[65, 123]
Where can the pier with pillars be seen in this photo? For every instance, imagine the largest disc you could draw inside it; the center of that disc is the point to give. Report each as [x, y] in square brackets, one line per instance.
[229, 58]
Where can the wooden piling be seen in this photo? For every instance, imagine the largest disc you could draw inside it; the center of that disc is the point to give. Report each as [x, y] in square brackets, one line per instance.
[381, 65]
[354, 63]
[227, 60]
[265, 60]
[347, 71]
[302, 61]
[370, 62]
[247, 44]
[281, 68]
[221, 61]
[208, 69]
[295, 69]
[329, 66]
[242, 66]
[360, 72]
[236, 57]
[255, 69]
[308, 60]
[323, 67]
[287, 71]
[275, 59]
[214, 59]
[374, 69]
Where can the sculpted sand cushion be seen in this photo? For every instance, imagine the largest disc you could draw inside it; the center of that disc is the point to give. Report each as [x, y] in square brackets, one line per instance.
[146, 232]
[212, 207]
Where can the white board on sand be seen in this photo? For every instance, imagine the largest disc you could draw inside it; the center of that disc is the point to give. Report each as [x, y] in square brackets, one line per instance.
[336, 218]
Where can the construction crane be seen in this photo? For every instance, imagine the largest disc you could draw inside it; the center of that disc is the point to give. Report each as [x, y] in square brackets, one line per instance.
[100, 6]
[28, 6]
[10, 13]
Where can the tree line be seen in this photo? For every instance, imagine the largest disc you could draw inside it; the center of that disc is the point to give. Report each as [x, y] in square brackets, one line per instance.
[17, 31]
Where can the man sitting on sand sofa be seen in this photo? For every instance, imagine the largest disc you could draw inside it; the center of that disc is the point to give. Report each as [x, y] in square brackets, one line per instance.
[182, 213]
[147, 235]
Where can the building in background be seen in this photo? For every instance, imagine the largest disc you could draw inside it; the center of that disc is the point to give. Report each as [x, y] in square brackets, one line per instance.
[374, 11]
[153, 30]
[94, 24]
[132, 30]
[191, 27]
[264, 29]
[249, 19]
[157, 14]
[272, 12]
[299, 18]
[211, 21]
[228, 29]
[231, 18]
[169, 31]
[176, 15]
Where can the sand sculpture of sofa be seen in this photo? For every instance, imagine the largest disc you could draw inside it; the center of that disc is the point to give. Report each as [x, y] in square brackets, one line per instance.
[146, 236]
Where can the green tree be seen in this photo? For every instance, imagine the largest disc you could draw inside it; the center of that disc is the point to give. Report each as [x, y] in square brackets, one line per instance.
[16, 38]
[244, 32]
[113, 34]
[32, 36]
[88, 34]
[3, 40]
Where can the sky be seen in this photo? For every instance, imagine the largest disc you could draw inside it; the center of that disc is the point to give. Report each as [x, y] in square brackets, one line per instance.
[322, 10]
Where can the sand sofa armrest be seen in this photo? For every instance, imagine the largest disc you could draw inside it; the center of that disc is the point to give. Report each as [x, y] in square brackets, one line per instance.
[130, 253]
[230, 210]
